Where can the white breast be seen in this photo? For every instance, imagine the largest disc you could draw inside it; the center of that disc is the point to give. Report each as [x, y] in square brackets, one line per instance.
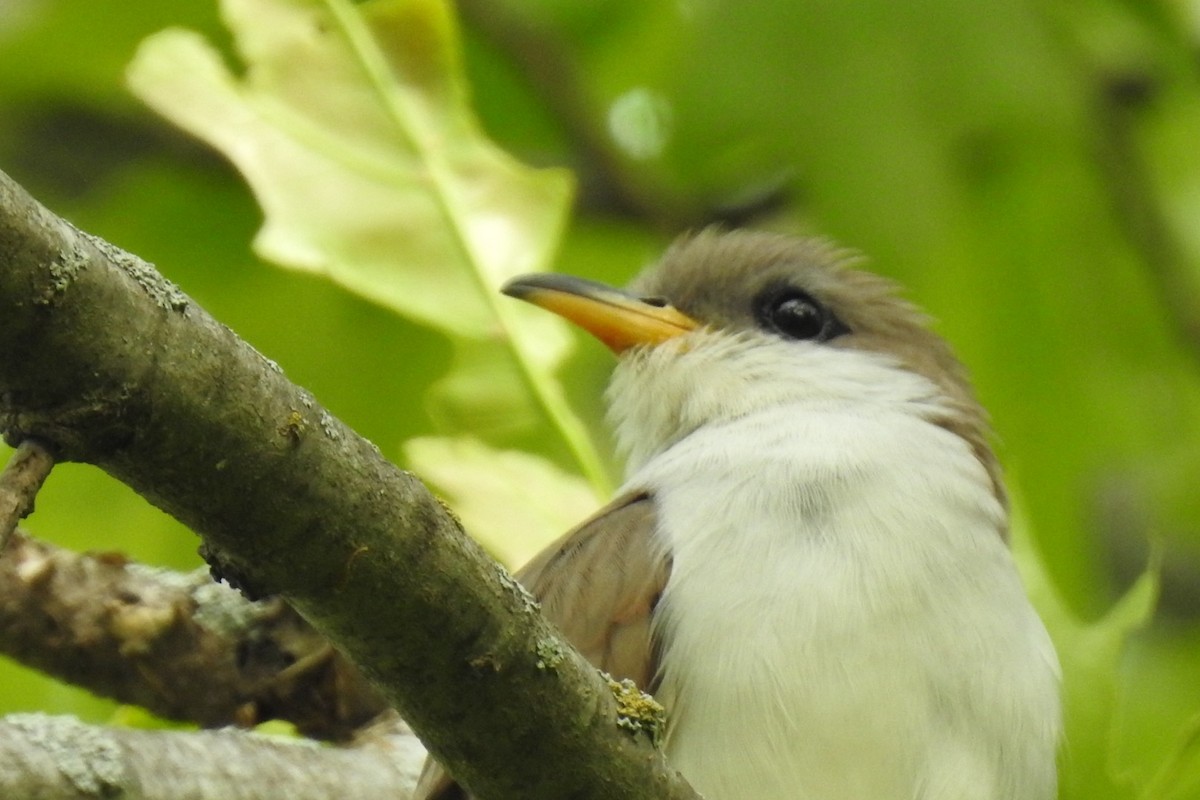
[843, 620]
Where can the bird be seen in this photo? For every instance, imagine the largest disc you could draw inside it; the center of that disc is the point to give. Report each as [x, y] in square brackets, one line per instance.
[807, 563]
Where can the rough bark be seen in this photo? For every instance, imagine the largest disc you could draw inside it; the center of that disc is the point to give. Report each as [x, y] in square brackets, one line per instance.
[112, 365]
[20, 482]
[59, 758]
[179, 645]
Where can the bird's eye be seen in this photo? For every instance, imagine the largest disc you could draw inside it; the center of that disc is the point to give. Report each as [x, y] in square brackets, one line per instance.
[797, 315]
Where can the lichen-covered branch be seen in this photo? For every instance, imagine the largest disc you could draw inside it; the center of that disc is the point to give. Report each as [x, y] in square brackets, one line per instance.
[177, 644]
[112, 365]
[59, 758]
[20, 481]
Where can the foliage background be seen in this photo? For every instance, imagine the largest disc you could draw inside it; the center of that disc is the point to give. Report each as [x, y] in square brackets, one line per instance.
[1031, 172]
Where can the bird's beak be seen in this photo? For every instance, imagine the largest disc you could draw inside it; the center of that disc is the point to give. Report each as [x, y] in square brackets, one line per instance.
[617, 318]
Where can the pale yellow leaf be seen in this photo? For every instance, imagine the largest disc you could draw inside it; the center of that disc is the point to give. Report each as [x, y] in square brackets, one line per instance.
[512, 502]
[355, 134]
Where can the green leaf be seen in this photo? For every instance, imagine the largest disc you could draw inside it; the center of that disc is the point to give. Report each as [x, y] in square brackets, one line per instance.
[356, 137]
[513, 503]
[1180, 771]
[353, 128]
[1090, 654]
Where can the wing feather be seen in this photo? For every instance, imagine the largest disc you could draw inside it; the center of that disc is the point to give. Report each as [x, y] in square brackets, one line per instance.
[599, 585]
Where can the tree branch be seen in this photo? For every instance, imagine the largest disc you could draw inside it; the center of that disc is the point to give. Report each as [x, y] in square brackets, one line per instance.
[20, 482]
[58, 758]
[115, 366]
[179, 645]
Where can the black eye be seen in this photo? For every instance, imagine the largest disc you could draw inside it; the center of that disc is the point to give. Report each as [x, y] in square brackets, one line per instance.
[797, 315]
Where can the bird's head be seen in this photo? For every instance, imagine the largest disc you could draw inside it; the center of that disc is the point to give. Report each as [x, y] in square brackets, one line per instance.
[727, 323]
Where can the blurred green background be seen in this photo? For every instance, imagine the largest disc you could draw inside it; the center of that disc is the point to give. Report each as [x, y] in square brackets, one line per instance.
[1031, 172]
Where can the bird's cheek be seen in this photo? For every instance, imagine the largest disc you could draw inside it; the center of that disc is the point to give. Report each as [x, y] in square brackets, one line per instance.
[668, 349]
[680, 345]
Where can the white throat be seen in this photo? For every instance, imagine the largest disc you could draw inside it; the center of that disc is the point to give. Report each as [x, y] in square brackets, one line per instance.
[659, 395]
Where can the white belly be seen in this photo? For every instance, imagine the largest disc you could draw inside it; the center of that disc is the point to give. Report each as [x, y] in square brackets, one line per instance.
[837, 630]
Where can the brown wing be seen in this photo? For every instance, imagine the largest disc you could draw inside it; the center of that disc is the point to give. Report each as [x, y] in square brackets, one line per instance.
[599, 584]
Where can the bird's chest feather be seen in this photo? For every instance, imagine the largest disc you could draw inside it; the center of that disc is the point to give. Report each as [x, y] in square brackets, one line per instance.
[842, 618]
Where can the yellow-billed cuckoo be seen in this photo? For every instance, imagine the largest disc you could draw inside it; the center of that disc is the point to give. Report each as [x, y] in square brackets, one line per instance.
[807, 564]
